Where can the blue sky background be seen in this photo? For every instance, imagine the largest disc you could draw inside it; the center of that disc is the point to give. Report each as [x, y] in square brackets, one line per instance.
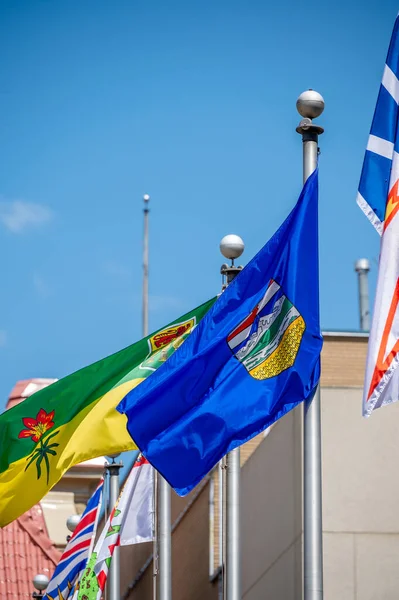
[193, 103]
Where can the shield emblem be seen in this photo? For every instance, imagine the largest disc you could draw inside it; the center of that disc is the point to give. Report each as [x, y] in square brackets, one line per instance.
[268, 340]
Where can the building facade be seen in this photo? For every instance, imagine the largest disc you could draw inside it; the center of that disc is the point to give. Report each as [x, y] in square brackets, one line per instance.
[360, 499]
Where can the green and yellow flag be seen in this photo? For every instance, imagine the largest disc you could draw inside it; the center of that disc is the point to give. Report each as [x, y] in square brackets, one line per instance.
[75, 419]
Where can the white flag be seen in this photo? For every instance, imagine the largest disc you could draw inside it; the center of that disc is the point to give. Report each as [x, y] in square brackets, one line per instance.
[130, 522]
[379, 198]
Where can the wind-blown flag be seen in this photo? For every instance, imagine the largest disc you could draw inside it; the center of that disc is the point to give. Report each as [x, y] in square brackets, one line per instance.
[253, 357]
[74, 419]
[379, 198]
[74, 559]
[131, 522]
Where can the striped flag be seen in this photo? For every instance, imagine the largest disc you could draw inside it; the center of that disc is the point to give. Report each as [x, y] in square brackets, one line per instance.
[77, 551]
[378, 197]
[130, 522]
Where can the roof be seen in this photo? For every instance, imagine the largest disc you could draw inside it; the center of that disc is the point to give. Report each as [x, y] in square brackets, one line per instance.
[355, 333]
[25, 388]
[25, 551]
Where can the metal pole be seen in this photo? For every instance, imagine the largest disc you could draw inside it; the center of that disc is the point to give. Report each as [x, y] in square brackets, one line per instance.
[362, 267]
[114, 570]
[310, 105]
[233, 556]
[164, 540]
[146, 210]
[155, 538]
[146, 199]
[162, 551]
[232, 247]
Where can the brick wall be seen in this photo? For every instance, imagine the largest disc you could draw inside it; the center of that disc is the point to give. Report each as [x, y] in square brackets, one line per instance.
[343, 361]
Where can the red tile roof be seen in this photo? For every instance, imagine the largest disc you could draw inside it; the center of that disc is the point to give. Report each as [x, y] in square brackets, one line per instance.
[25, 547]
[25, 551]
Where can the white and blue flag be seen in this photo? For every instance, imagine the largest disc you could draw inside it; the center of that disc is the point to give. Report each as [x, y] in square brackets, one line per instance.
[379, 174]
[379, 199]
[74, 559]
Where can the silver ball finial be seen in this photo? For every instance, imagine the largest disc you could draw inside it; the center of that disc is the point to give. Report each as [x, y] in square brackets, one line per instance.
[231, 246]
[72, 522]
[362, 264]
[310, 104]
[113, 456]
[40, 582]
[146, 198]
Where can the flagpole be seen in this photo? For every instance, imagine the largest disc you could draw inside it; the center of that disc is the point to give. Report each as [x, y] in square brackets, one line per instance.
[114, 572]
[232, 247]
[146, 210]
[162, 547]
[164, 539]
[310, 105]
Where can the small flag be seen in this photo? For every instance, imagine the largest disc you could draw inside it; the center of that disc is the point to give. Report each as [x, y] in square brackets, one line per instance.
[74, 559]
[74, 419]
[253, 357]
[379, 198]
[131, 522]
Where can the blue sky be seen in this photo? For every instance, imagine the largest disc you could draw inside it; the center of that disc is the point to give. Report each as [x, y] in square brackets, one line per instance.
[194, 104]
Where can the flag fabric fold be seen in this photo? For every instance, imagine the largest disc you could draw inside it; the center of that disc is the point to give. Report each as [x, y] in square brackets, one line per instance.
[75, 419]
[379, 189]
[74, 559]
[253, 357]
[131, 522]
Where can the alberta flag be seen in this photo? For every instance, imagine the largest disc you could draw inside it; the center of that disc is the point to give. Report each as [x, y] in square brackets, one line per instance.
[130, 522]
[253, 357]
[77, 551]
[379, 198]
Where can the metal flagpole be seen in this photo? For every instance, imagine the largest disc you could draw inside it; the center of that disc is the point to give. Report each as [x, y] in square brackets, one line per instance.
[146, 199]
[146, 210]
[114, 572]
[310, 105]
[164, 540]
[232, 247]
[162, 551]
[362, 267]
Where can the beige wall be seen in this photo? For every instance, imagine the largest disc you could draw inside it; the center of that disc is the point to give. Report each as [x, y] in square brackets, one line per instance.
[272, 514]
[343, 360]
[361, 496]
[360, 505]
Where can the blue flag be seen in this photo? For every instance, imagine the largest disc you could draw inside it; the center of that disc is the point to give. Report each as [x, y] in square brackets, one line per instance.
[253, 357]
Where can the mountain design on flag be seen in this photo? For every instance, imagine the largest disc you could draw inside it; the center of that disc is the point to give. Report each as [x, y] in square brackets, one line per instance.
[268, 340]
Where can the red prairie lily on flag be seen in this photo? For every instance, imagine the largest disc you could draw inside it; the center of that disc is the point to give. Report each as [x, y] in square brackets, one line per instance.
[36, 428]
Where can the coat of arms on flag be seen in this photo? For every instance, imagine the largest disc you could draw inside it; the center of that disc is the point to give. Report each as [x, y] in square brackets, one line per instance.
[163, 343]
[267, 341]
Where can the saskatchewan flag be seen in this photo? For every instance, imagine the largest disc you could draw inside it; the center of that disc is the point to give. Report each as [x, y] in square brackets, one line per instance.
[74, 419]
